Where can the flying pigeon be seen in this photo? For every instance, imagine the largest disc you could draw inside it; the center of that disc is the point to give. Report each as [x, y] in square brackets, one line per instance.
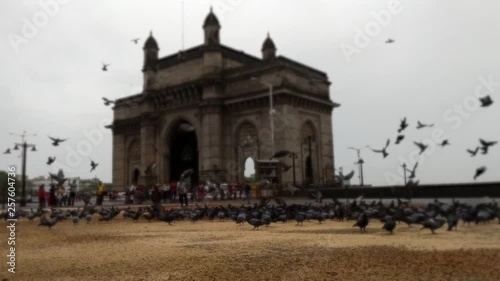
[105, 67]
[107, 101]
[93, 165]
[51, 160]
[384, 150]
[280, 154]
[389, 41]
[149, 169]
[479, 172]
[486, 101]
[186, 127]
[403, 125]
[486, 145]
[412, 172]
[421, 125]
[187, 173]
[348, 176]
[56, 141]
[7, 151]
[444, 143]
[399, 139]
[136, 40]
[422, 146]
[318, 196]
[286, 167]
[473, 152]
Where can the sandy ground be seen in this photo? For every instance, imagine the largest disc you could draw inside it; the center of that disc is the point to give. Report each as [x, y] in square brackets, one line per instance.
[124, 250]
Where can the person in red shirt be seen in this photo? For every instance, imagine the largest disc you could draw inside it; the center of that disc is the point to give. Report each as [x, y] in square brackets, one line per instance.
[173, 191]
[41, 196]
[201, 191]
[230, 190]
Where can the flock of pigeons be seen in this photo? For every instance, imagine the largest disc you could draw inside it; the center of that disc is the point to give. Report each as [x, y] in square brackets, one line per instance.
[432, 217]
[483, 144]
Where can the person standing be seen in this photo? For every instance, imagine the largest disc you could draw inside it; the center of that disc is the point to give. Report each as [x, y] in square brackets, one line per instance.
[173, 191]
[59, 195]
[181, 189]
[165, 192]
[52, 196]
[156, 194]
[201, 191]
[72, 193]
[247, 192]
[100, 193]
[41, 196]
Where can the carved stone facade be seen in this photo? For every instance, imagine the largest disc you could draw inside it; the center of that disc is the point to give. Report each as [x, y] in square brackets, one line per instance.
[207, 108]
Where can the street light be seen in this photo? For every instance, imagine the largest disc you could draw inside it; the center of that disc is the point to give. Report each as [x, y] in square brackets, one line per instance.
[25, 146]
[360, 163]
[271, 110]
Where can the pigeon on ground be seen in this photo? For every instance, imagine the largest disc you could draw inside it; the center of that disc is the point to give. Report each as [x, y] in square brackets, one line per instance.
[384, 150]
[46, 222]
[399, 139]
[56, 141]
[51, 160]
[486, 144]
[93, 165]
[452, 222]
[389, 225]
[479, 172]
[256, 223]
[473, 152]
[75, 220]
[422, 146]
[403, 125]
[432, 225]
[486, 101]
[362, 222]
[421, 125]
[107, 101]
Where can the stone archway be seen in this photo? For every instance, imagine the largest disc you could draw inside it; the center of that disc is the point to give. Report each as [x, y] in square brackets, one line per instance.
[309, 153]
[246, 146]
[183, 150]
[133, 162]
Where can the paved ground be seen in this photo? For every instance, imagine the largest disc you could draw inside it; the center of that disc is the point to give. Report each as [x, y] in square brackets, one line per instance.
[124, 250]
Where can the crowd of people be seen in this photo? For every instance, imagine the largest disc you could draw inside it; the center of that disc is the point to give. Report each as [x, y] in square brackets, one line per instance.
[59, 196]
[169, 192]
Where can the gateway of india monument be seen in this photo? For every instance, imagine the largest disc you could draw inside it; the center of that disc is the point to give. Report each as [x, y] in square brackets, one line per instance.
[208, 108]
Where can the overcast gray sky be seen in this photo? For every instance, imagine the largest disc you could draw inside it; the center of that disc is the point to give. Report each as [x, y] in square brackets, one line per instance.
[443, 52]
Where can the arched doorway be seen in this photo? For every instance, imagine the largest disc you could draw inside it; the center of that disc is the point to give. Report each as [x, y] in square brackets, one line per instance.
[246, 140]
[309, 151]
[249, 170]
[135, 176]
[183, 151]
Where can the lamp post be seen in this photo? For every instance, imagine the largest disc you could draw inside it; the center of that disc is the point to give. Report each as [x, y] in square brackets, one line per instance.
[271, 110]
[404, 171]
[294, 156]
[360, 163]
[25, 146]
